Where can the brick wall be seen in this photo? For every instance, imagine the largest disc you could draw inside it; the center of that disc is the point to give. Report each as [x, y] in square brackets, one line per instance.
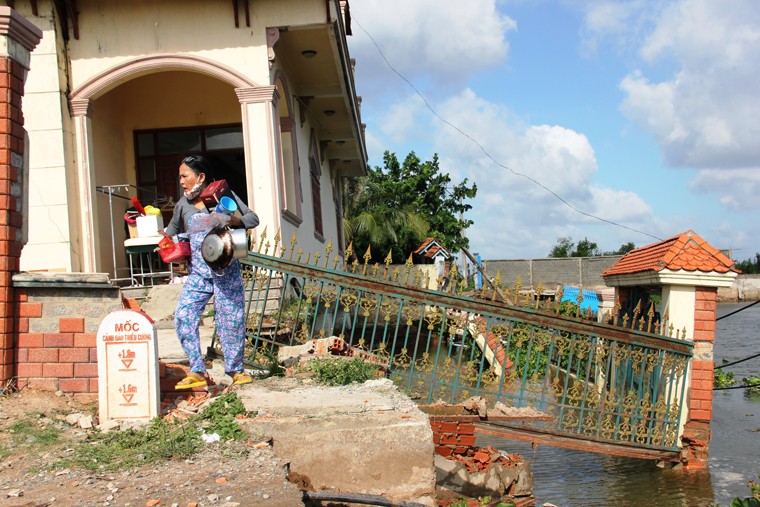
[696, 434]
[19, 37]
[455, 435]
[57, 327]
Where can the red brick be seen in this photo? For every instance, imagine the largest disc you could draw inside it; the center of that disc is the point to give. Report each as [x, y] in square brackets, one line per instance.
[30, 310]
[700, 415]
[22, 296]
[704, 325]
[71, 325]
[85, 340]
[85, 370]
[94, 385]
[45, 384]
[161, 369]
[6, 371]
[443, 451]
[30, 340]
[448, 427]
[449, 440]
[43, 355]
[6, 341]
[58, 370]
[22, 355]
[460, 450]
[73, 355]
[23, 325]
[93, 355]
[466, 429]
[704, 336]
[59, 339]
[468, 440]
[75, 385]
[26, 370]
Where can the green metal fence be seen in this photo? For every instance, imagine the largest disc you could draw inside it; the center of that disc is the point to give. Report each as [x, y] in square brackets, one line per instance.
[560, 374]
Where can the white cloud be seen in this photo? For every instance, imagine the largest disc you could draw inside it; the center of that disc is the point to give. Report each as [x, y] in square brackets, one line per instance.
[513, 215]
[740, 188]
[430, 38]
[704, 114]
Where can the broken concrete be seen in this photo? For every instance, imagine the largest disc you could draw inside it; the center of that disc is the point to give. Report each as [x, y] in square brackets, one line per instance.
[368, 438]
[485, 472]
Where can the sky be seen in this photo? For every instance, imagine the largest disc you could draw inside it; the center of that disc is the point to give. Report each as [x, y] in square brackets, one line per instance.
[612, 121]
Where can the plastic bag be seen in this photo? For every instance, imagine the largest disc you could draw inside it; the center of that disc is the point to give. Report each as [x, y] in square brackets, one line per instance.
[204, 223]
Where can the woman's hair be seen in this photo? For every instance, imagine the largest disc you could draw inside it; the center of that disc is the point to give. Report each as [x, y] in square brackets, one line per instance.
[200, 164]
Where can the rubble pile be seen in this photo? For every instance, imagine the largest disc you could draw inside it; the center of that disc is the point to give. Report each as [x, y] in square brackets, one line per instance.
[484, 472]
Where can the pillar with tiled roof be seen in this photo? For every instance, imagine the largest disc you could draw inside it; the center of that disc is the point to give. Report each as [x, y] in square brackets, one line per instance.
[689, 270]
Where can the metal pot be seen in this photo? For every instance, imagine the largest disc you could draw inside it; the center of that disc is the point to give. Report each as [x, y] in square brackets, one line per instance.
[223, 244]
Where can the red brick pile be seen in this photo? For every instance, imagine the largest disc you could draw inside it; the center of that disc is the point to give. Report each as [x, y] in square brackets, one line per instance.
[480, 459]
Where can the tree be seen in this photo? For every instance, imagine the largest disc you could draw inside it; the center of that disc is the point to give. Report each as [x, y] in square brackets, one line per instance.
[624, 249]
[389, 208]
[586, 248]
[750, 266]
[563, 248]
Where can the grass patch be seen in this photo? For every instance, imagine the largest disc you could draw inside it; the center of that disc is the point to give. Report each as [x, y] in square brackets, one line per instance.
[341, 372]
[161, 440]
[33, 431]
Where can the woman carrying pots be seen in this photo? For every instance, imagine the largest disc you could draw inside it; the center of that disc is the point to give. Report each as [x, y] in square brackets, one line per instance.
[226, 285]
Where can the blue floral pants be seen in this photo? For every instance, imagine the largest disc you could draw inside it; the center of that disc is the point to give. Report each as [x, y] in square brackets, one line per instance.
[229, 306]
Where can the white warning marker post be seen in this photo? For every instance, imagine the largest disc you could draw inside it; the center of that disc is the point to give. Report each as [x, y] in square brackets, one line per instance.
[128, 380]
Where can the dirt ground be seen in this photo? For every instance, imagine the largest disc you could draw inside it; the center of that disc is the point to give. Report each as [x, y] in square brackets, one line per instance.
[218, 476]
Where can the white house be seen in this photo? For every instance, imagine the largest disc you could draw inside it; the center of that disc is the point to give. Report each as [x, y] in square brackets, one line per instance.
[119, 92]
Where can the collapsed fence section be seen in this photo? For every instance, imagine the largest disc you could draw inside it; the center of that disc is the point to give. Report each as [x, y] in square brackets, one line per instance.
[561, 374]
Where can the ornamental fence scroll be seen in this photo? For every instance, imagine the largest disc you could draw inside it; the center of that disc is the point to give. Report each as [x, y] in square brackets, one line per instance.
[565, 375]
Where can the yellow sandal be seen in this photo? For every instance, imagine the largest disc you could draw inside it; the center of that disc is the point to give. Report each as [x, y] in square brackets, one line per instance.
[190, 382]
[241, 378]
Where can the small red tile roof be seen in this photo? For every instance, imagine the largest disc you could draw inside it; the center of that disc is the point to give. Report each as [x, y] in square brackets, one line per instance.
[686, 251]
[430, 247]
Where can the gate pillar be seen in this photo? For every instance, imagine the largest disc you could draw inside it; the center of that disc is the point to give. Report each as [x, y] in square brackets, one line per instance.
[18, 37]
[678, 278]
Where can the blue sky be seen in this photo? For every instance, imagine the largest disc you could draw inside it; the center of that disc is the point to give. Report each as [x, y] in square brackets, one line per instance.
[642, 113]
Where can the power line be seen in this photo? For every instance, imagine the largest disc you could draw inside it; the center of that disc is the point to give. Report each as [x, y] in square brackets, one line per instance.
[485, 152]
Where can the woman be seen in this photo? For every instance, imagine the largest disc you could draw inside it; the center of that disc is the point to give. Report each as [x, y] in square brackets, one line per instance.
[226, 285]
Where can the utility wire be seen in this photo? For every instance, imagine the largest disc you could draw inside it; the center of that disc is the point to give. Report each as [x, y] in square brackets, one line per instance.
[735, 362]
[736, 387]
[485, 152]
[739, 310]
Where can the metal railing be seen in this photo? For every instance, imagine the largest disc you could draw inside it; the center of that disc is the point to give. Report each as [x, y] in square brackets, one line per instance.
[559, 374]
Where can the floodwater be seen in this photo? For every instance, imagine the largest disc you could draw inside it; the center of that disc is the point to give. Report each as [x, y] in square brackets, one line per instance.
[570, 478]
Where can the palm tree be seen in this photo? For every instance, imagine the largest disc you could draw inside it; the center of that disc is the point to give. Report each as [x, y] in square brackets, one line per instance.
[370, 218]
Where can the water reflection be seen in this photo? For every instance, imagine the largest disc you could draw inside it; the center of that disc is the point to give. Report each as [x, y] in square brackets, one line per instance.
[570, 478]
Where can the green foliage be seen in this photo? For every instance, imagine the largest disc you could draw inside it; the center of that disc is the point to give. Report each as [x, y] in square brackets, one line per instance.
[566, 247]
[753, 501]
[750, 266]
[482, 502]
[28, 431]
[752, 383]
[624, 249]
[723, 378]
[341, 372]
[159, 441]
[395, 207]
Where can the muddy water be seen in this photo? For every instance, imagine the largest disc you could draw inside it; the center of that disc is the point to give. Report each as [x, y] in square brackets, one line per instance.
[577, 479]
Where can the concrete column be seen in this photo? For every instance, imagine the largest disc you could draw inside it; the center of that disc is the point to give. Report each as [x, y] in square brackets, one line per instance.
[262, 154]
[18, 37]
[81, 111]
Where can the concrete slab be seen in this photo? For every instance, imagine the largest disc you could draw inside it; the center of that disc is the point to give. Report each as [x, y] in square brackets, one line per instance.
[366, 438]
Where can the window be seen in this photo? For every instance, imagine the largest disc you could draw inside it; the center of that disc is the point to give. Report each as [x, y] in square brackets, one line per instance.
[316, 189]
[158, 154]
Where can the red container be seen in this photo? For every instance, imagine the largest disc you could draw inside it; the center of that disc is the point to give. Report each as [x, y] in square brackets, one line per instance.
[213, 193]
[172, 252]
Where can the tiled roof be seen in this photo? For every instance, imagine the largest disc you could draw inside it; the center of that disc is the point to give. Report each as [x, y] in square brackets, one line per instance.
[430, 247]
[686, 251]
